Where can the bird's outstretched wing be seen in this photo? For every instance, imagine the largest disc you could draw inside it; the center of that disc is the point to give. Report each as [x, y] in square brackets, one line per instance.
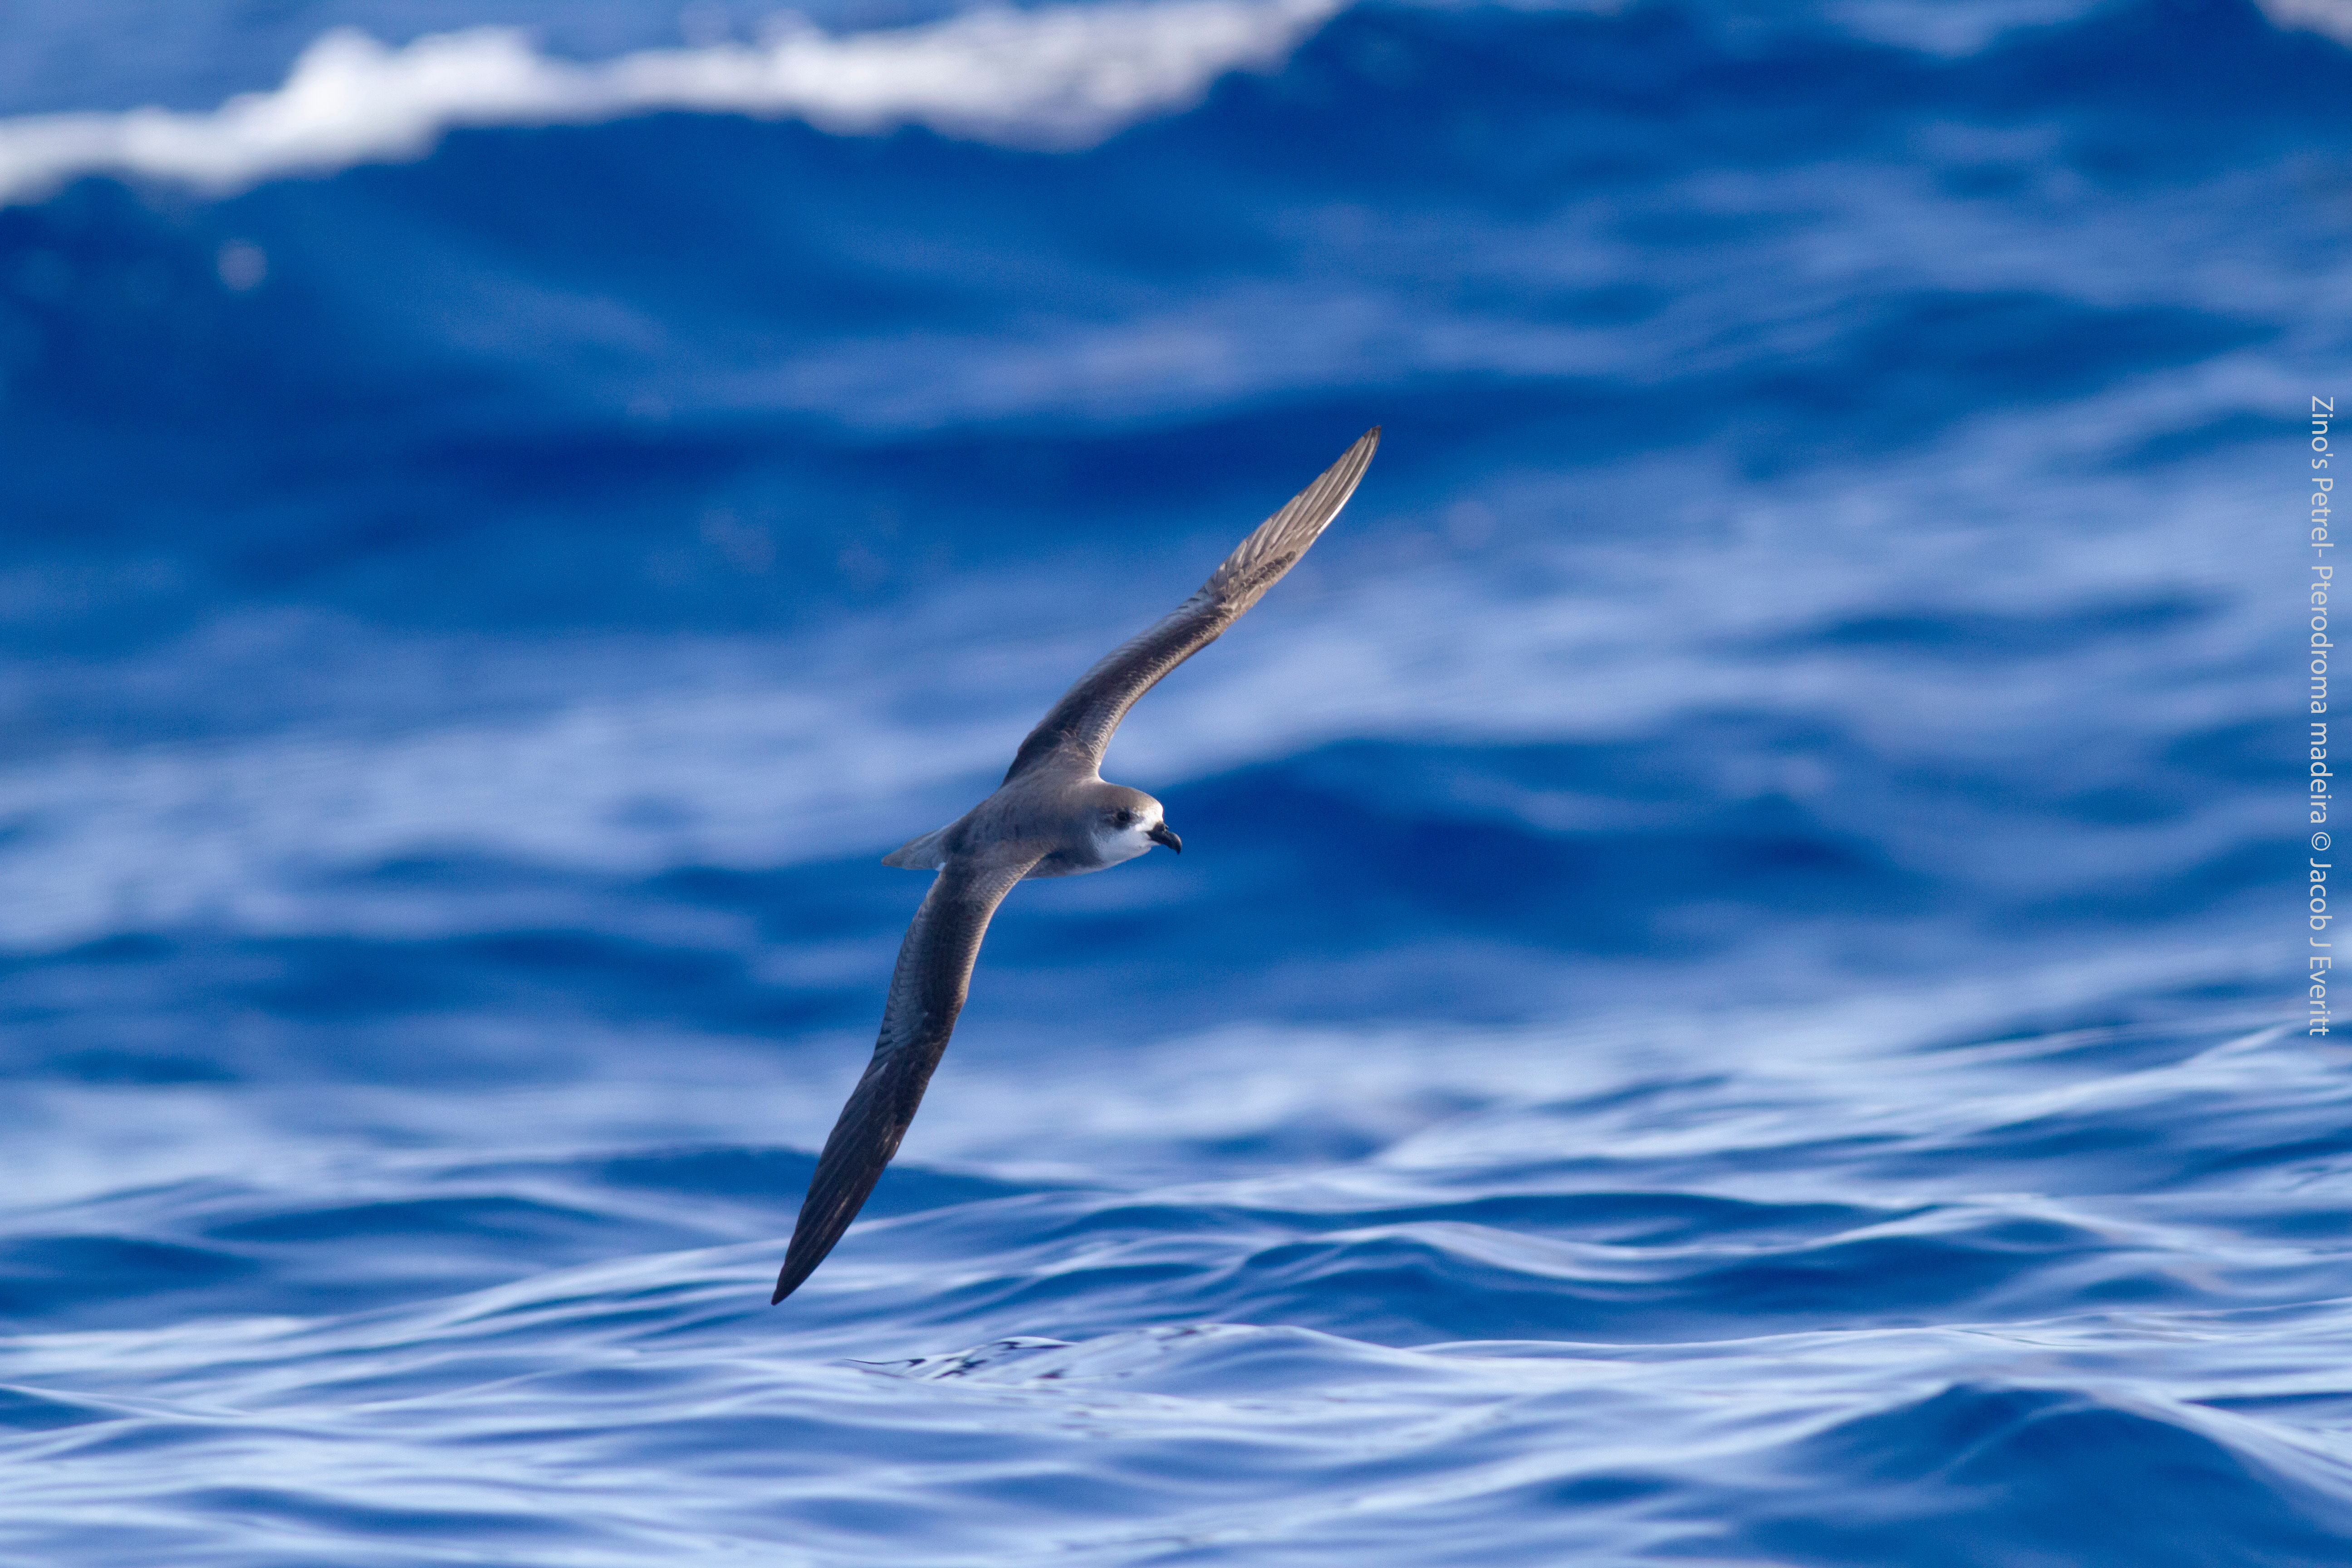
[927, 991]
[1080, 724]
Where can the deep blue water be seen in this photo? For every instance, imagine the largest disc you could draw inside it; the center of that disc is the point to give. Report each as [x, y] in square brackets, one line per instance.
[1731, 995]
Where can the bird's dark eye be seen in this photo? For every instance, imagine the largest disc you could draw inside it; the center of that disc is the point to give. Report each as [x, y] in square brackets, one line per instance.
[1124, 818]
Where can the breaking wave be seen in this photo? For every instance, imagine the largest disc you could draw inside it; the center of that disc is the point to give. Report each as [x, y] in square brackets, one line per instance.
[1062, 76]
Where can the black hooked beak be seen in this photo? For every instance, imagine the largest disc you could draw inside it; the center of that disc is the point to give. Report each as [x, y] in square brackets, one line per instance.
[1163, 834]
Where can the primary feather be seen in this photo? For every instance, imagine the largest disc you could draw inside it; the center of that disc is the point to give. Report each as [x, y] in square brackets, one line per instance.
[1081, 723]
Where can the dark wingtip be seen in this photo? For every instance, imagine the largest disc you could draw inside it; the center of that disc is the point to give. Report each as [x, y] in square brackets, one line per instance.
[797, 1269]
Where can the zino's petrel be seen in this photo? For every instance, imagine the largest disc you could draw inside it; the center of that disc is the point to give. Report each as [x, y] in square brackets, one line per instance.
[1052, 816]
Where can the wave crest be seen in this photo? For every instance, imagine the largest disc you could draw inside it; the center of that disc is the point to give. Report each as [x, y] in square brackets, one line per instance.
[1055, 78]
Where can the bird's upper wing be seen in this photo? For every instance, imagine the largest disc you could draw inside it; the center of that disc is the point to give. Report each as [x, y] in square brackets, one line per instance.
[1080, 724]
[927, 991]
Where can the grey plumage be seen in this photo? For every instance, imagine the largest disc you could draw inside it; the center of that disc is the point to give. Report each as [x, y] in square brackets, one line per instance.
[1054, 815]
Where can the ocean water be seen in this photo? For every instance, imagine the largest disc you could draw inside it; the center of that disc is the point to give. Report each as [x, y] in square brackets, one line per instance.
[1732, 993]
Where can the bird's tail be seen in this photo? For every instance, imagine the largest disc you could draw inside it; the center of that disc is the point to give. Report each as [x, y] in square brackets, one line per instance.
[928, 853]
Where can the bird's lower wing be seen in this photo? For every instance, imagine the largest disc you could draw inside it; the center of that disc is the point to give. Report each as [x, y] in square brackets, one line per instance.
[927, 991]
[1080, 724]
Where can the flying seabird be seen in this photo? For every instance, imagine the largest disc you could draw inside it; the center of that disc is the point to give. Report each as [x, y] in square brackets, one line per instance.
[1052, 816]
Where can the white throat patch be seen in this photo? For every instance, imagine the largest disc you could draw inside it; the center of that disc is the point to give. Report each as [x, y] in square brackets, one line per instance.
[1125, 843]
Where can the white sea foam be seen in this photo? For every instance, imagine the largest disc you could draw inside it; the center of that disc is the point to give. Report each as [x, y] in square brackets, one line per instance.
[1056, 77]
[2329, 18]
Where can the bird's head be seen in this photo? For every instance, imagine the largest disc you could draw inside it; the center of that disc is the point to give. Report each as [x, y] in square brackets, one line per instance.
[1128, 822]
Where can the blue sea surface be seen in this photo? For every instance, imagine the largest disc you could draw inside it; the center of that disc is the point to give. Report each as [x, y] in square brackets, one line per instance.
[1733, 995]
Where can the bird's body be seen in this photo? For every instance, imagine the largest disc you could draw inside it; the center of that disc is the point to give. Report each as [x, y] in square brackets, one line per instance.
[1057, 824]
[1054, 815]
